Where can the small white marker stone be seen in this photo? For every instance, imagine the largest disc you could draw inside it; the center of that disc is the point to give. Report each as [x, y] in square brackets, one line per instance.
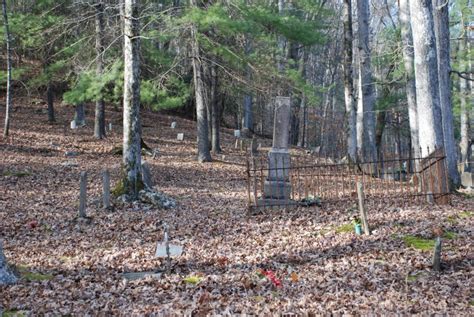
[173, 125]
[110, 126]
[180, 137]
[237, 133]
[73, 124]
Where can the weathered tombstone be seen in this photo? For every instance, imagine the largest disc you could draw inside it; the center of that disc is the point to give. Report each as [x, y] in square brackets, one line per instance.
[146, 175]
[73, 125]
[106, 189]
[180, 137]
[237, 133]
[6, 273]
[254, 146]
[110, 126]
[83, 195]
[277, 185]
[173, 125]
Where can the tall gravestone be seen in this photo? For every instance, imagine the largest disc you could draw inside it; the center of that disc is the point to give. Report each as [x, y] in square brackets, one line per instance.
[277, 185]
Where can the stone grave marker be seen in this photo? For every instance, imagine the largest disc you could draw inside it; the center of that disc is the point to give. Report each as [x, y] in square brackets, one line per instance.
[277, 185]
[180, 137]
[165, 249]
[110, 126]
[173, 125]
[237, 134]
[73, 125]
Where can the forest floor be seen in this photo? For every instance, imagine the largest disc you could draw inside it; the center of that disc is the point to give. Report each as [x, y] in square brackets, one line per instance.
[319, 265]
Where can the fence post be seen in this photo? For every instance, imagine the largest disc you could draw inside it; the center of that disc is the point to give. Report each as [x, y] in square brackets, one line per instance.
[83, 195]
[106, 188]
[363, 214]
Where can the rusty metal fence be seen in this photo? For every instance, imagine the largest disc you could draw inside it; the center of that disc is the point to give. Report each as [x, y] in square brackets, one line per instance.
[311, 182]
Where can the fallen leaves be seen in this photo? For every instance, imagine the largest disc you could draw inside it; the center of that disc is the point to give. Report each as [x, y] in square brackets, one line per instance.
[305, 263]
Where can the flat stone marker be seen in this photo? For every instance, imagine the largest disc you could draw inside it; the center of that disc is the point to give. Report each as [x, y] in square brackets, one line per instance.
[237, 133]
[173, 125]
[73, 125]
[180, 137]
[133, 276]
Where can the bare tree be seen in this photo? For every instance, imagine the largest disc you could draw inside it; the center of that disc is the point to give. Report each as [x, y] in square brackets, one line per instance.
[349, 83]
[8, 107]
[99, 124]
[131, 101]
[366, 101]
[441, 23]
[410, 87]
[465, 141]
[426, 76]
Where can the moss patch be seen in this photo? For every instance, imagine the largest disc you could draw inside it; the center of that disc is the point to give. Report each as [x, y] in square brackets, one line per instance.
[419, 243]
[14, 313]
[17, 174]
[31, 276]
[450, 235]
[345, 228]
[466, 214]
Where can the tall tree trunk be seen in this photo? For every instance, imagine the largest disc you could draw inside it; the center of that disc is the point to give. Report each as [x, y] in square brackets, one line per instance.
[99, 124]
[215, 113]
[131, 101]
[79, 115]
[248, 128]
[441, 23]
[50, 101]
[410, 87]
[349, 84]
[426, 76]
[366, 101]
[204, 154]
[9, 106]
[464, 143]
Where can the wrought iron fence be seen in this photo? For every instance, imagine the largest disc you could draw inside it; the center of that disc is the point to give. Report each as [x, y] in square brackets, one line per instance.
[307, 181]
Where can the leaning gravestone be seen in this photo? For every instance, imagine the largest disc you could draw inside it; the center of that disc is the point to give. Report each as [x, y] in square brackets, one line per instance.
[277, 185]
[6, 273]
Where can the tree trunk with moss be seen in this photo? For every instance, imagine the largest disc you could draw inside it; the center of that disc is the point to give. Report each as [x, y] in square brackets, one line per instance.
[131, 102]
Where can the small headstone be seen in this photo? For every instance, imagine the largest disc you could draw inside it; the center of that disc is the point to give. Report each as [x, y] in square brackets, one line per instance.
[180, 137]
[110, 126]
[70, 153]
[73, 124]
[70, 164]
[437, 255]
[173, 125]
[237, 133]
[146, 175]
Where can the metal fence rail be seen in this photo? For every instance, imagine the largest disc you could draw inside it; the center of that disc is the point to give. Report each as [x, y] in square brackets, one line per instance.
[406, 180]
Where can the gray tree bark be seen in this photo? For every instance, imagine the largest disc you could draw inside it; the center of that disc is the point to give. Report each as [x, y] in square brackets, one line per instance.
[441, 24]
[426, 76]
[99, 123]
[366, 101]
[248, 100]
[131, 101]
[410, 87]
[9, 106]
[215, 113]
[349, 84]
[204, 154]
